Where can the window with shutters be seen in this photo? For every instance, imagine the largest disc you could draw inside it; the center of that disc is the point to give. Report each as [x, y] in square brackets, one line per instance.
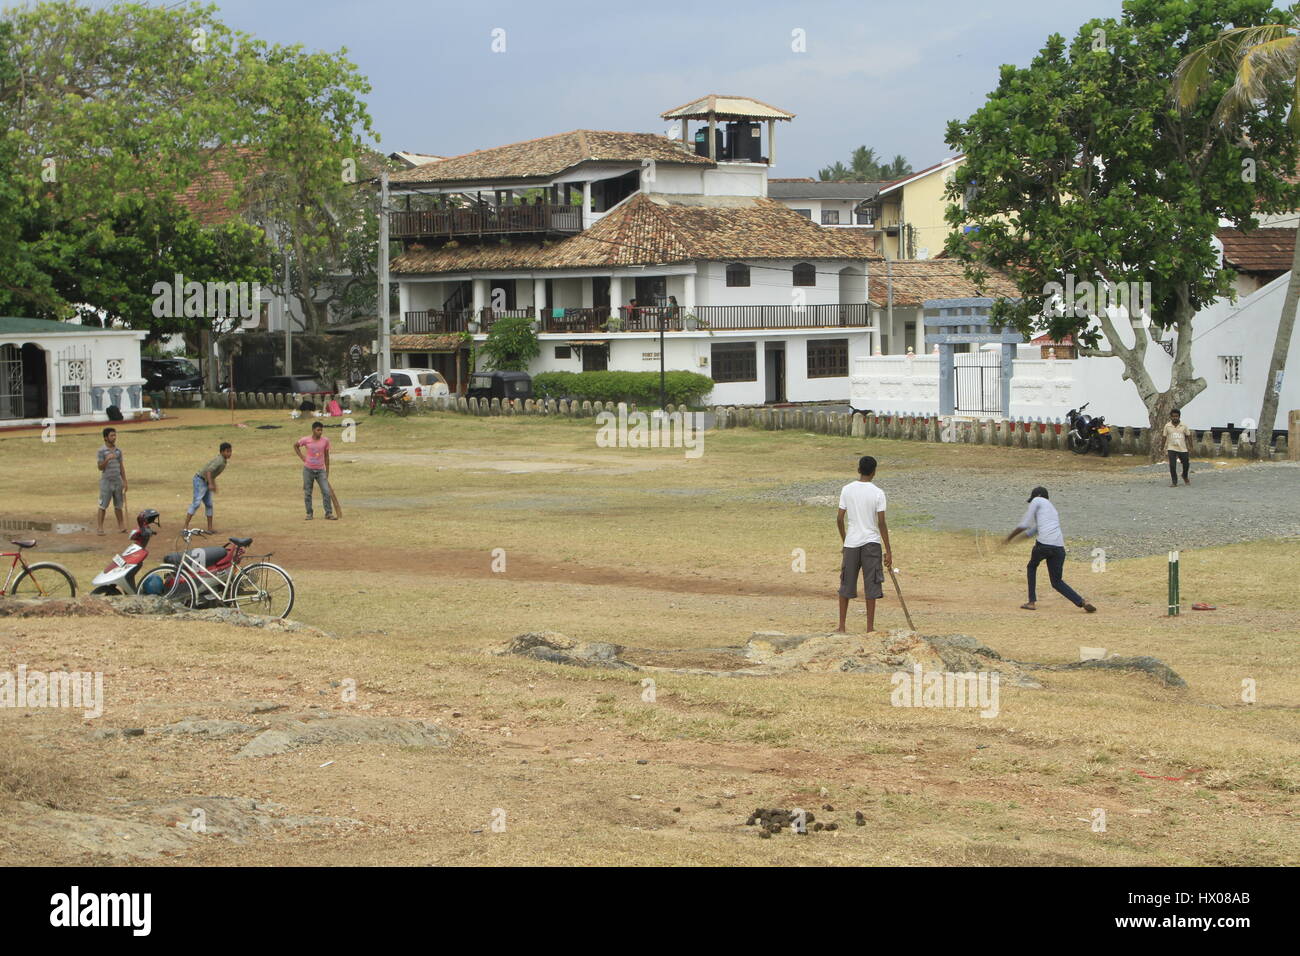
[735, 362]
[828, 358]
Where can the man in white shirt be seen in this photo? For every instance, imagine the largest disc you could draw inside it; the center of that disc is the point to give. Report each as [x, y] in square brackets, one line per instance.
[864, 535]
[1042, 522]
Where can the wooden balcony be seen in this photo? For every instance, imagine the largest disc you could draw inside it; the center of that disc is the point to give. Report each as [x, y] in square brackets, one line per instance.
[484, 221]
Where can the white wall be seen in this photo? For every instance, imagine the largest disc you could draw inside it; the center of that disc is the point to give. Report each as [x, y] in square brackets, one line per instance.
[896, 383]
[729, 179]
[684, 350]
[771, 282]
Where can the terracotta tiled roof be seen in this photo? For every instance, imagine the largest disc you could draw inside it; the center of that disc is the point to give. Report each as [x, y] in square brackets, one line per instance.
[425, 343]
[1259, 250]
[550, 156]
[1046, 339]
[916, 280]
[211, 198]
[215, 196]
[655, 230]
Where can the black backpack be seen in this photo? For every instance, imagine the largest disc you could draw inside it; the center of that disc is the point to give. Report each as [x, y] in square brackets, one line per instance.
[114, 413]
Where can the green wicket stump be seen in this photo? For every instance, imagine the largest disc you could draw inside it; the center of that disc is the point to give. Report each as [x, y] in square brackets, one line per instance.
[1173, 583]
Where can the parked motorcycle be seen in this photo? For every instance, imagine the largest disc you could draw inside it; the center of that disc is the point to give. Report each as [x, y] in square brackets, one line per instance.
[1087, 432]
[119, 576]
[390, 397]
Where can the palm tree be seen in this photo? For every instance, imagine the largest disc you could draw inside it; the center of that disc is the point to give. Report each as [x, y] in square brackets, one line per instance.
[837, 172]
[1259, 59]
[896, 169]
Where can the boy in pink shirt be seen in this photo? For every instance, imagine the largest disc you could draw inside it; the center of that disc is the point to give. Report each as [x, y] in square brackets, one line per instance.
[315, 454]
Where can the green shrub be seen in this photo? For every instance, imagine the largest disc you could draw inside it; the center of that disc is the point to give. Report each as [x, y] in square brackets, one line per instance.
[510, 345]
[642, 388]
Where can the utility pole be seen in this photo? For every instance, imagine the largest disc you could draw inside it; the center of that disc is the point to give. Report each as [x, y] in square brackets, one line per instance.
[288, 317]
[384, 363]
[663, 401]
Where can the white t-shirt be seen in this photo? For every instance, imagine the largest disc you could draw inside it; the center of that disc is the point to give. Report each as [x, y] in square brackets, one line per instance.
[1042, 521]
[861, 501]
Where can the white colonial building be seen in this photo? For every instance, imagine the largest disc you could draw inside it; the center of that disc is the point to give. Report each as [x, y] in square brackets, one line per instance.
[62, 372]
[602, 238]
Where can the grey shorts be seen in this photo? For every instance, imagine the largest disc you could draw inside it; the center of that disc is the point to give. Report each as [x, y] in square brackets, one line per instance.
[868, 560]
[110, 491]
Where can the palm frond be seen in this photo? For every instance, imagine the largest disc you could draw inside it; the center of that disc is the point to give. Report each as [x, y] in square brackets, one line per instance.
[1196, 71]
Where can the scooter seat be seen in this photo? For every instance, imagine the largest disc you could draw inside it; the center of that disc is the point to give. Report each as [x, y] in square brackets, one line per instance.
[25, 543]
[211, 555]
[241, 542]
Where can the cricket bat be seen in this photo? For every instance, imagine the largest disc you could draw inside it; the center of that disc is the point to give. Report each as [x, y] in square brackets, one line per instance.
[338, 508]
[900, 599]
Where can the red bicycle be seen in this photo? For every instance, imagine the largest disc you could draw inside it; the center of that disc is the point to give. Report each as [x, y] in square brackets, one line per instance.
[44, 579]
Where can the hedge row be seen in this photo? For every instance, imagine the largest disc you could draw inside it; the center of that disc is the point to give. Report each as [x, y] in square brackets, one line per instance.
[641, 388]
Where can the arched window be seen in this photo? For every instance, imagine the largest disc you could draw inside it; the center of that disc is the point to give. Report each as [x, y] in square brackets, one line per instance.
[738, 274]
[805, 274]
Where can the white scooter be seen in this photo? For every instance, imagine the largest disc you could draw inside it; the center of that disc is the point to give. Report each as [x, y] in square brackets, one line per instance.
[119, 576]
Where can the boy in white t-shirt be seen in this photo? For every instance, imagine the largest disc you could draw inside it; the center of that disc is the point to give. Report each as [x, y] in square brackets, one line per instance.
[865, 538]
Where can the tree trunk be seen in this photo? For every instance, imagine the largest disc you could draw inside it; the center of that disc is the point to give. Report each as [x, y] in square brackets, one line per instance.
[1183, 385]
[1281, 346]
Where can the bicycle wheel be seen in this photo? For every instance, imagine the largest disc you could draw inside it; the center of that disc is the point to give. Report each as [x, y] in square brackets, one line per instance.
[263, 589]
[45, 580]
[172, 586]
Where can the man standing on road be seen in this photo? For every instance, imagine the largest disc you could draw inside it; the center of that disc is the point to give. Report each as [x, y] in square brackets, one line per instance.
[862, 508]
[1178, 441]
[112, 480]
[315, 455]
[205, 484]
[1042, 522]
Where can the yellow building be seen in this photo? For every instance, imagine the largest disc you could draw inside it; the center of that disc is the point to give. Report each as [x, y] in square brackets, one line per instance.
[910, 212]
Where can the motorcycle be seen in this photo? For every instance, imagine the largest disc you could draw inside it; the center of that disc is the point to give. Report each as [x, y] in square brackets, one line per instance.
[1088, 433]
[390, 399]
[119, 576]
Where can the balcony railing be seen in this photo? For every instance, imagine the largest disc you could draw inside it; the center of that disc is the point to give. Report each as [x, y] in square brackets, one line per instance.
[484, 221]
[724, 318]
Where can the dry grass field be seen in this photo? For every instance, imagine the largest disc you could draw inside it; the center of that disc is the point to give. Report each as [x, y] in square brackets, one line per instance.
[649, 549]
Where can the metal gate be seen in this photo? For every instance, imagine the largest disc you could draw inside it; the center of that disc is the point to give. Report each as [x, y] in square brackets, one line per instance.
[11, 382]
[977, 386]
[74, 381]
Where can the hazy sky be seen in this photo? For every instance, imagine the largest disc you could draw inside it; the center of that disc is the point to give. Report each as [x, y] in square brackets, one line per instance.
[886, 74]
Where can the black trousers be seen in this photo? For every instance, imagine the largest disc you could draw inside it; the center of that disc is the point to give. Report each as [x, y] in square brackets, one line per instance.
[1054, 555]
[1174, 458]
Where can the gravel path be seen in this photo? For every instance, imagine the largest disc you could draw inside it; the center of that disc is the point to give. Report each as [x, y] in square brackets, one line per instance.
[1130, 514]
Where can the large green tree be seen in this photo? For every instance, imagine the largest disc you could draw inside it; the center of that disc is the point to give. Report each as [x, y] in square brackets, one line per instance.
[113, 112]
[1260, 60]
[1080, 167]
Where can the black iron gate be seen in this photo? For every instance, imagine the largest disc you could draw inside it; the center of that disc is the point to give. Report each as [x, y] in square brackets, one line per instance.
[977, 387]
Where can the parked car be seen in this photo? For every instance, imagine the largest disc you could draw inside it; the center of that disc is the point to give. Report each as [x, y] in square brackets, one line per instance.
[170, 374]
[502, 385]
[291, 385]
[415, 382]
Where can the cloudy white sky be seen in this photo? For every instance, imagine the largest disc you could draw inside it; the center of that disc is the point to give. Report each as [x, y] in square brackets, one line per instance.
[886, 74]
